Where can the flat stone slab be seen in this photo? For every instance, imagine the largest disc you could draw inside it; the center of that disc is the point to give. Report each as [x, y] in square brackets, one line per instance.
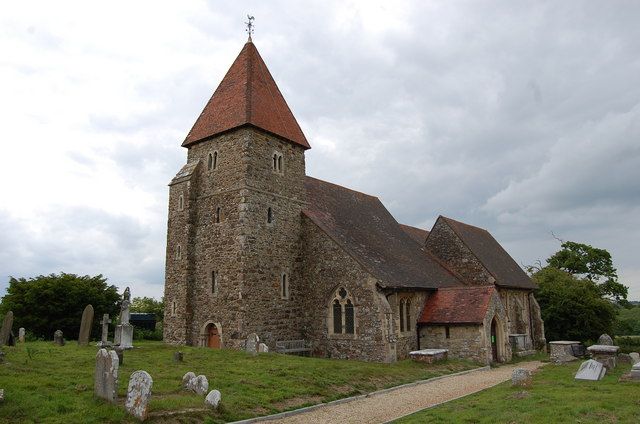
[591, 370]
[564, 342]
[603, 349]
[429, 355]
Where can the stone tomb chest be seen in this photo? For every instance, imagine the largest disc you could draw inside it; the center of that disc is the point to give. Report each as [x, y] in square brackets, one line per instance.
[429, 355]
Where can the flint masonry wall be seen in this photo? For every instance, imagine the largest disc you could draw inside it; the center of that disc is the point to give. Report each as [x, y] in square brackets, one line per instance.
[247, 254]
[407, 340]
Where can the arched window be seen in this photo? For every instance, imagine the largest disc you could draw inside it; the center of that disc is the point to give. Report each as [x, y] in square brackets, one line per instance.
[181, 202]
[217, 215]
[173, 308]
[408, 312]
[284, 286]
[209, 162]
[275, 162]
[401, 314]
[278, 164]
[178, 252]
[342, 313]
[269, 216]
[215, 159]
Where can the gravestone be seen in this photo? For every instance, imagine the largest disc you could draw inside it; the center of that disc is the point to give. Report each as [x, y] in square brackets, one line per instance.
[138, 394]
[104, 339]
[562, 351]
[198, 384]
[1, 357]
[263, 348]
[1, 395]
[5, 330]
[58, 338]
[85, 326]
[606, 354]
[120, 352]
[251, 345]
[178, 356]
[635, 371]
[124, 330]
[591, 370]
[605, 340]
[106, 375]
[186, 379]
[21, 333]
[521, 377]
[213, 399]
[635, 357]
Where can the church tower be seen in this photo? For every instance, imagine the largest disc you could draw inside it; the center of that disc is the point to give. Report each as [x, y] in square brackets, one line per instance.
[235, 216]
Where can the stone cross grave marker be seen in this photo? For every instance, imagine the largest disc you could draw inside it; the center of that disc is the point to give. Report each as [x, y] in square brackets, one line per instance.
[251, 345]
[104, 340]
[591, 370]
[5, 331]
[139, 394]
[85, 326]
[58, 338]
[21, 333]
[106, 375]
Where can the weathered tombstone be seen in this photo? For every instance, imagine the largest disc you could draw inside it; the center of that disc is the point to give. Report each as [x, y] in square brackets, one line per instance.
[591, 370]
[635, 371]
[521, 377]
[605, 340]
[1, 357]
[605, 354]
[21, 333]
[58, 338]
[138, 394]
[186, 379]
[124, 330]
[213, 399]
[1, 395]
[198, 384]
[106, 375]
[263, 348]
[104, 340]
[5, 331]
[85, 326]
[635, 357]
[178, 356]
[251, 345]
[120, 352]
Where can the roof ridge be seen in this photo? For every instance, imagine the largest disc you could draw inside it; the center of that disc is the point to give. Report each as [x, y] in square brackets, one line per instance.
[343, 187]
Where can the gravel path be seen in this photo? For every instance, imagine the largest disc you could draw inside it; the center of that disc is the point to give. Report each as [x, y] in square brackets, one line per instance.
[384, 407]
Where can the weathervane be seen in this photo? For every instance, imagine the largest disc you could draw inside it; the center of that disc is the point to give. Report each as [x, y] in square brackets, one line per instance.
[249, 25]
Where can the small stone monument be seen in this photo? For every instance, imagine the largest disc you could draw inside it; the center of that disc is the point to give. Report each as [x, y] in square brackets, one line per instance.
[605, 354]
[198, 384]
[591, 370]
[124, 331]
[1, 357]
[521, 377]
[251, 345]
[562, 351]
[186, 380]
[178, 356]
[429, 356]
[635, 357]
[1, 395]
[605, 340]
[21, 333]
[138, 394]
[104, 340]
[263, 348]
[5, 330]
[85, 326]
[635, 371]
[106, 375]
[213, 399]
[58, 338]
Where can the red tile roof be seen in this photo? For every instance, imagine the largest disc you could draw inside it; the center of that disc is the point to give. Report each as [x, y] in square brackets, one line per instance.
[495, 259]
[418, 234]
[365, 229]
[457, 305]
[247, 95]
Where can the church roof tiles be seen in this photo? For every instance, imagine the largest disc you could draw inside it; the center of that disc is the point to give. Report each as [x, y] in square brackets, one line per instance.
[457, 305]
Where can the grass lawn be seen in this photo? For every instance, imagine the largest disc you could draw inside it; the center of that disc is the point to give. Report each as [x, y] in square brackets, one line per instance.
[46, 383]
[554, 397]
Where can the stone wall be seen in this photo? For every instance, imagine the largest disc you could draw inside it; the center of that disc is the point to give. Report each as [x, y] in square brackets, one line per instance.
[407, 340]
[447, 246]
[518, 309]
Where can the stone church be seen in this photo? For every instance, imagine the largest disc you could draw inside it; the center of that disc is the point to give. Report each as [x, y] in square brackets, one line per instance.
[254, 245]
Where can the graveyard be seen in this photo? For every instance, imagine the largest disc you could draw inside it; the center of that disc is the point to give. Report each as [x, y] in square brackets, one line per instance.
[44, 382]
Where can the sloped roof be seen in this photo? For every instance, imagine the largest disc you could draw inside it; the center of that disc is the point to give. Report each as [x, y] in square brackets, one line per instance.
[364, 228]
[494, 258]
[247, 95]
[185, 173]
[457, 305]
[418, 234]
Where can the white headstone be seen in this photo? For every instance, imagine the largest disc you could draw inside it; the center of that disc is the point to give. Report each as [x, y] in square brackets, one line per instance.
[200, 385]
[251, 345]
[186, 379]
[635, 357]
[591, 370]
[21, 335]
[263, 348]
[213, 399]
[106, 375]
[138, 394]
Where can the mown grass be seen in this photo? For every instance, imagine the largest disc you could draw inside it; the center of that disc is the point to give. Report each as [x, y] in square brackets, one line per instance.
[554, 397]
[46, 383]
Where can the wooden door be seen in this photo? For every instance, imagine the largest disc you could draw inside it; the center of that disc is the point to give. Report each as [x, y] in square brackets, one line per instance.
[214, 337]
[494, 341]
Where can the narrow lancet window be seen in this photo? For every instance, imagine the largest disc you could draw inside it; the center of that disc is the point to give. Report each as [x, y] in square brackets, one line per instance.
[349, 319]
[401, 315]
[284, 287]
[215, 160]
[269, 216]
[408, 312]
[210, 162]
[337, 317]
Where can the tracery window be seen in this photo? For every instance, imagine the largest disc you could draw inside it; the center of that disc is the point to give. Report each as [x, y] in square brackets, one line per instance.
[342, 312]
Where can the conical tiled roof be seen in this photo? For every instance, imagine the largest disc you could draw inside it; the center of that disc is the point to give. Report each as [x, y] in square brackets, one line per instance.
[247, 95]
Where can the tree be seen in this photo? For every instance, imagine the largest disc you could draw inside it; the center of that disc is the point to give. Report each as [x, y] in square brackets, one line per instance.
[572, 308]
[44, 304]
[148, 305]
[582, 260]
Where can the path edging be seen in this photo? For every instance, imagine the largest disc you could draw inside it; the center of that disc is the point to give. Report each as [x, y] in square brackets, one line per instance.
[352, 398]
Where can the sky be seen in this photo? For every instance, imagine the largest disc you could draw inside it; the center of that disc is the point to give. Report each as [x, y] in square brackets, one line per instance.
[522, 118]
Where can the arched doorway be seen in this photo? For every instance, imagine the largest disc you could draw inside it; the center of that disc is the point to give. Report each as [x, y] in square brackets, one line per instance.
[213, 336]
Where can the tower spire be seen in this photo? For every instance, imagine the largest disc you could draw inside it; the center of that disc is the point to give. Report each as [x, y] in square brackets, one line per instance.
[249, 25]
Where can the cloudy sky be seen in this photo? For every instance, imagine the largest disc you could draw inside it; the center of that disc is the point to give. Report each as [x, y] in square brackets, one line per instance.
[519, 117]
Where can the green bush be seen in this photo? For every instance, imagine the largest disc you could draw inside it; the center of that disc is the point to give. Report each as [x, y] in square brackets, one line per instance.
[144, 334]
[628, 344]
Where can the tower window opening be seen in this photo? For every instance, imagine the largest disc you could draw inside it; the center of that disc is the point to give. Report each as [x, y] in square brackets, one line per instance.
[210, 162]
[178, 252]
[284, 286]
[214, 282]
[181, 202]
[215, 160]
[217, 216]
[269, 216]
